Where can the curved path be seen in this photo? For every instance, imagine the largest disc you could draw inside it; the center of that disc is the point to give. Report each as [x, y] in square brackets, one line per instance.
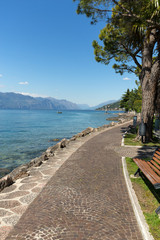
[85, 199]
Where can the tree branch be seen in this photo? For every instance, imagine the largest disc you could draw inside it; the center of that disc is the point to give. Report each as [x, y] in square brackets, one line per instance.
[133, 55]
[127, 13]
[138, 50]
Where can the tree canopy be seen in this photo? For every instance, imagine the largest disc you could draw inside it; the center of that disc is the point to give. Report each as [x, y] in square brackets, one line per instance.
[132, 100]
[132, 33]
[118, 45]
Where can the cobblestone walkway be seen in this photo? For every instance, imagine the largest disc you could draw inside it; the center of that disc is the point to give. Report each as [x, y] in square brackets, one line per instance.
[85, 199]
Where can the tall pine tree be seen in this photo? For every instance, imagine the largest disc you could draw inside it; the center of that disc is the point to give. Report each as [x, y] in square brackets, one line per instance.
[132, 33]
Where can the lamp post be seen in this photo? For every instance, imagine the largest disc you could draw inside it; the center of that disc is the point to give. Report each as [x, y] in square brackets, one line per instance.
[142, 130]
[134, 121]
[157, 122]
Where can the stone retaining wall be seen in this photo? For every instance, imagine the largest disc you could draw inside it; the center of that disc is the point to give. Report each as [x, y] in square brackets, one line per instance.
[22, 171]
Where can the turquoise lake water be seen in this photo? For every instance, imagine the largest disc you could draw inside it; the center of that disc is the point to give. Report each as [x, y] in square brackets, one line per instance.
[25, 134]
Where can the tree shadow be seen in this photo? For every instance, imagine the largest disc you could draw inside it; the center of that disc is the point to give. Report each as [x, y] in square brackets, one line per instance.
[142, 152]
[155, 192]
[125, 129]
[145, 153]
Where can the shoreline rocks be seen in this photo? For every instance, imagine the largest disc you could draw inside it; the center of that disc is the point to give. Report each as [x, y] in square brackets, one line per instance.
[23, 170]
[122, 117]
[54, 140]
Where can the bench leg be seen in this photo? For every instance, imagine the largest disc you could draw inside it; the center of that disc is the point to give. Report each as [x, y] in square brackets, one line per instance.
[137, 173]
[158, 210]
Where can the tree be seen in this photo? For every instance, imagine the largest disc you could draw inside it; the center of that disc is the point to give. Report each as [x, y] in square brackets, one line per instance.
[132, 100]
[124, 101]
[135, 25]
[119, 45]
[137, 105]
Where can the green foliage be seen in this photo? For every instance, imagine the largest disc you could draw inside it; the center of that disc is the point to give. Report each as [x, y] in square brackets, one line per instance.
[124, 101]
[93, 9]
[129, 22]
[137, 105]
[117, 45]
[132, 100]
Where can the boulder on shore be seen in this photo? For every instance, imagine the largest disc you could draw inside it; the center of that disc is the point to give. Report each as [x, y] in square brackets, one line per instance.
[6, 182]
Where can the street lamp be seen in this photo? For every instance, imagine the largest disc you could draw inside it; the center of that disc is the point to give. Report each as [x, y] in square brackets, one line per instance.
[134, 121]
[142, 129]
[157, 122]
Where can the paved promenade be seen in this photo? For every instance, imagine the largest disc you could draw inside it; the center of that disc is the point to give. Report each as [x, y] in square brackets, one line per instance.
[85, 199]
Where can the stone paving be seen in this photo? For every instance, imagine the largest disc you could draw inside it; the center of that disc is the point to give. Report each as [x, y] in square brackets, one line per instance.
[78, 194]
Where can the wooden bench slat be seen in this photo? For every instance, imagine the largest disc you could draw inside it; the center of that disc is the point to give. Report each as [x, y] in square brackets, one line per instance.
[153, 166]
[151, 172]
[148, 172]
[157, 153]
[155, 158]
[151, 169]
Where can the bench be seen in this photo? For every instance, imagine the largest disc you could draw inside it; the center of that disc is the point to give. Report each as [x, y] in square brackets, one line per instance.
[151, 169]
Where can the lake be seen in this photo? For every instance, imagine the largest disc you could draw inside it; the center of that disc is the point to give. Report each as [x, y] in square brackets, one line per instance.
[25, 134]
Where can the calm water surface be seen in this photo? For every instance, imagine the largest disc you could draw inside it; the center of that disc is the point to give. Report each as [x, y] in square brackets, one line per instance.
[25, 134]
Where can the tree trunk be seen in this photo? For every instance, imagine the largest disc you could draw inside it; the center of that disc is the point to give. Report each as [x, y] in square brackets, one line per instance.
[149, 77]
[158, 99]
[148, 99]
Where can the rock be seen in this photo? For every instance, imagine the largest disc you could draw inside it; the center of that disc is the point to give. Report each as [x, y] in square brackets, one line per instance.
[21, 175]
[73, 138]
[113, 119]
[122, 120]
[82, 134]
[87, 131]
[78, 135]
[50, 151]
[36, 162]
[103, 127]
[55, 147]
[95, 130]
[6, 182]
[20, 171]
[64, 143]
[45, 157]
[54, 140]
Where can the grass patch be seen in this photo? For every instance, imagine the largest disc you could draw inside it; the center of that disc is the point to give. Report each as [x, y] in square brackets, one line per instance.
[129, 139]
[148, 197]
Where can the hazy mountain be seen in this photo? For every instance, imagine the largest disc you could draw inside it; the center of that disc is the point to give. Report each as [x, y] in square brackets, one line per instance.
[63, 104]
[18, 101]
[104, 103]
[110, 106]
[84, 106]
[87, 107]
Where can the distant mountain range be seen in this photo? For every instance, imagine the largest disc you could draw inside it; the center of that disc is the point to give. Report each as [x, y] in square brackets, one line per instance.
[84, 106]
[12, 100]
[110, 106]
[103, 104]
[19, 101]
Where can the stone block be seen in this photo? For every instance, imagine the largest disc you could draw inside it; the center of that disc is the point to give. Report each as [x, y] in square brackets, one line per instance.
[6, 182]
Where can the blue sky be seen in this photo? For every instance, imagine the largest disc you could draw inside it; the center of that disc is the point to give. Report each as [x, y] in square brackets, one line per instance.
[46, 50]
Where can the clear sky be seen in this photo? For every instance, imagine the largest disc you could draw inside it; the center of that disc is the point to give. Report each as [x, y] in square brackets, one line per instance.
[46, 50]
